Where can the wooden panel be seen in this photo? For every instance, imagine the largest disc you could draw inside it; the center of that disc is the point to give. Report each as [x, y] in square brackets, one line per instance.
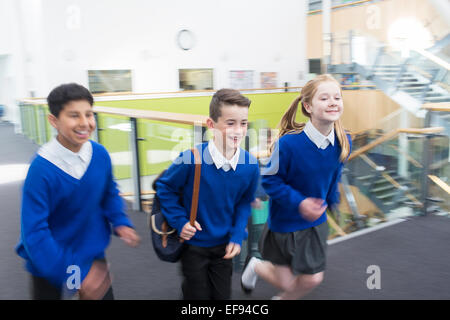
[364, 109]
[314, 37]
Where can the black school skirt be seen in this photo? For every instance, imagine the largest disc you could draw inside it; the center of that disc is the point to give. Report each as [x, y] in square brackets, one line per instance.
[304, 251]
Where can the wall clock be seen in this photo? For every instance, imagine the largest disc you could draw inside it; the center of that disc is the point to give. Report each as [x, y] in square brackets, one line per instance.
[185, 39]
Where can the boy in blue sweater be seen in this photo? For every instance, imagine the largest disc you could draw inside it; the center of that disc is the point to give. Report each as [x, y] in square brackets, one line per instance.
[229, 177]
[69, 203]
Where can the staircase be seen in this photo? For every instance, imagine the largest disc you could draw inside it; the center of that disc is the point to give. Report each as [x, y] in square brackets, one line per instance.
[412, 83]
[385, 187]
[421, 78]
[399, 192]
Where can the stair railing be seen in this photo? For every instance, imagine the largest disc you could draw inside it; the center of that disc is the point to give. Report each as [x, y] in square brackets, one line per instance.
[379, 171]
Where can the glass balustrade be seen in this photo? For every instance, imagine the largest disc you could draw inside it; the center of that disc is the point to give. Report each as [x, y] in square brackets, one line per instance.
[114, 134]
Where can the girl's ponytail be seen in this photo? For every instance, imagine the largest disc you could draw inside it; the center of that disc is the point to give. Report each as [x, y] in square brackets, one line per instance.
[343, 140]
[287, 123]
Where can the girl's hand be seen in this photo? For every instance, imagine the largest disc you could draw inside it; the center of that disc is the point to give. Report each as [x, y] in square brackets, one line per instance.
[189, 231]
[128, 235]
[232, 249]
[312, 208]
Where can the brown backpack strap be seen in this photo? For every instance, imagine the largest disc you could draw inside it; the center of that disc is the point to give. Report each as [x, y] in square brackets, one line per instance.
[195, 192]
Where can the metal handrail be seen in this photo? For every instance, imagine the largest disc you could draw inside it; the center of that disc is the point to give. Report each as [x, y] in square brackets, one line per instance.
[442, 63]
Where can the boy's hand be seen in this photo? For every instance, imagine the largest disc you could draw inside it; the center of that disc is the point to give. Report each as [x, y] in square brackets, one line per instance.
[189, 231]
[311, 208]
[96, 283]
[232, 249]
[128, 235]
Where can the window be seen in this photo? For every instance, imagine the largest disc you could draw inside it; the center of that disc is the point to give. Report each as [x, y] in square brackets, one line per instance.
[101, 81]
[196, 79]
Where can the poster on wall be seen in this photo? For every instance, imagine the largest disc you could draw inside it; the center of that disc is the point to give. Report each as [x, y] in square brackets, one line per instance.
[241, 79]
[268, 79]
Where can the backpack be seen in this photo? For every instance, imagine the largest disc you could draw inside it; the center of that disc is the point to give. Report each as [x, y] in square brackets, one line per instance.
[166, 242]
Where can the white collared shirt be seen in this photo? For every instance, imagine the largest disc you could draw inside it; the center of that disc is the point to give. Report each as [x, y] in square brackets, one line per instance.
[220, 161]
[317, 138]
[74, 164]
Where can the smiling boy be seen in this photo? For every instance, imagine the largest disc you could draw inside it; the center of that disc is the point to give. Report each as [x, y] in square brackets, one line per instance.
[229, 177]
[70, 201]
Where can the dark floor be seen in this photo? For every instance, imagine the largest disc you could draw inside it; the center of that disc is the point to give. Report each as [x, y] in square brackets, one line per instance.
[413, 256]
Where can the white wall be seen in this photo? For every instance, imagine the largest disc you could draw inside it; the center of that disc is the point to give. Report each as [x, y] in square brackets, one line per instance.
[5, 35]
[141, 35]
[12, 59]
[62, 39]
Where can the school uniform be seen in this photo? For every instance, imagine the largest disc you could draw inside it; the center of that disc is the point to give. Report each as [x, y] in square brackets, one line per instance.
[302, 165]
[227, 188]
[70, 201]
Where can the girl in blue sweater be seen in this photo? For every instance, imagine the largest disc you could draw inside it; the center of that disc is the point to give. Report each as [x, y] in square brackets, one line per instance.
[302, 182]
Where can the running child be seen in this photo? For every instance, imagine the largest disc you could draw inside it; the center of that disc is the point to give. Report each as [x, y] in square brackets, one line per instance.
[302, 182]
[229, 177]
[70, 203]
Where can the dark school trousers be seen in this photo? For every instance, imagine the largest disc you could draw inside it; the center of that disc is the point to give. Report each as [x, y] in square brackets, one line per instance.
[41, 289]
[206, 275]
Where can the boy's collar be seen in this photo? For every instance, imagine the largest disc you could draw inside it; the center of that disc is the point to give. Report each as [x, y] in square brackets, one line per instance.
[218, 158]
[67, 155]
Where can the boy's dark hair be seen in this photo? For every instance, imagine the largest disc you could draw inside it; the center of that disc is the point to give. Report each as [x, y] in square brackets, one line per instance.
[65, 93]
[226, 97]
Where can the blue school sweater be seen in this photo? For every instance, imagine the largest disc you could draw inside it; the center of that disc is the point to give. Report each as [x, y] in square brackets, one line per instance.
[298, 169]
[66, 221]
[224, 197]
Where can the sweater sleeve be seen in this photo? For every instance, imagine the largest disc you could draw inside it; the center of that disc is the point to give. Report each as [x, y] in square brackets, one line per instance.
[243, 209]
[333, 195]
[276, 174]
[112, 203]
[169, 188]
[50, 258]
